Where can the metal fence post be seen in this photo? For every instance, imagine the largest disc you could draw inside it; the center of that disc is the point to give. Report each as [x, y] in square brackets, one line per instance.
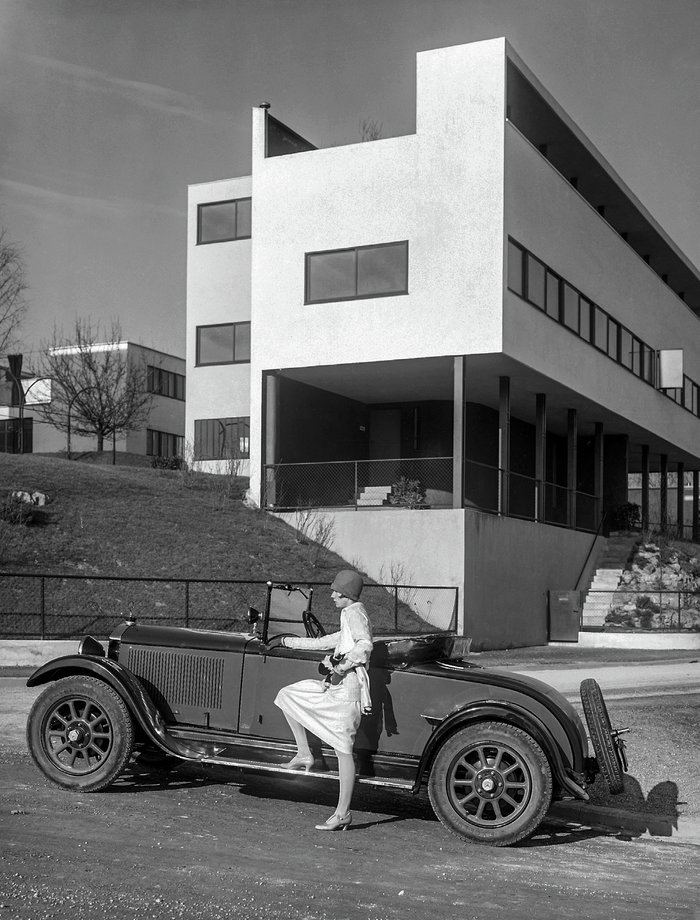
[356, 485]
[187, 603]
[42, 602]
[396, 608]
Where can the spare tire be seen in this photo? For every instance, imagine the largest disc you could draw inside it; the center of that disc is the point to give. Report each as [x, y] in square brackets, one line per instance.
[608, 746]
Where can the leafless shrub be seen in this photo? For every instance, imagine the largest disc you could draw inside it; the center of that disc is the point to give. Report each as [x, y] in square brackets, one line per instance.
[370, 130]
[314, 530]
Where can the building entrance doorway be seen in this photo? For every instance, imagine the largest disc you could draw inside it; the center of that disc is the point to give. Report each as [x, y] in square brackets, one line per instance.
[384, 446]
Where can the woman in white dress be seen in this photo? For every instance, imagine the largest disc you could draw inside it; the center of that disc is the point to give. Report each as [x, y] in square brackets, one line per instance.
[332, 708]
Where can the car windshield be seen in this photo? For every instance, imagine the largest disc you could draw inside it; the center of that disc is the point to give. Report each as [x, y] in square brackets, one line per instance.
[288, 604]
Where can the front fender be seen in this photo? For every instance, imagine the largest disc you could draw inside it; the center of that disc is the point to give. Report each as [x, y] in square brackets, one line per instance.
[514, 715]
[130, 689]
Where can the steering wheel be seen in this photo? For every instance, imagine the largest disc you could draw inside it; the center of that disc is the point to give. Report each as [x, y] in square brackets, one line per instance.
[313, 628]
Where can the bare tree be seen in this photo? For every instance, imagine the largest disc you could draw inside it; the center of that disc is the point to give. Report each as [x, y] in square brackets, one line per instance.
[96, 387]
[13, 284]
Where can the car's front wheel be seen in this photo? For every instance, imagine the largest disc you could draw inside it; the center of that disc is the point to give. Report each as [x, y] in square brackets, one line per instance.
[80, 733]
[491, 783]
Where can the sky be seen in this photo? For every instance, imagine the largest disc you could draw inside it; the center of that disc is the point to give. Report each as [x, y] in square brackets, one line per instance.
[109, 109]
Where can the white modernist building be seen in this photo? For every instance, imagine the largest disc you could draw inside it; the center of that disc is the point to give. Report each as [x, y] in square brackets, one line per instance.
[479, 318]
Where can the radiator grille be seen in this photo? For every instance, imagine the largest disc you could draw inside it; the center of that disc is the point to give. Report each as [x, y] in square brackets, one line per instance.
[180, 678]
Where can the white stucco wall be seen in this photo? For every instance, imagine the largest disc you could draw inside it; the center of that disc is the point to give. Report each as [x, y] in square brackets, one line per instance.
[400, 541]
[547, 216]
[441, 189]
[218, 291]
[166, 414]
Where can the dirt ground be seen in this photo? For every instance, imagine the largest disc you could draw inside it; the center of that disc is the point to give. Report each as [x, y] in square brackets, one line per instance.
[198, 843]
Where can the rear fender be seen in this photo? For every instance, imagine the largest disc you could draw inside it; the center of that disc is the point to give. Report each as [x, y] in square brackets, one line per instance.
[513, 715]
[129, 688]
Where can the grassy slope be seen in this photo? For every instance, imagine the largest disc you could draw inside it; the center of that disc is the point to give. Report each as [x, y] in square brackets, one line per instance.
[141, 522]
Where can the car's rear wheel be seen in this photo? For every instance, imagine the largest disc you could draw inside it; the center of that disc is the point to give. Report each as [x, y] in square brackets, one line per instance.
[80, 733]
[608, 746]
[491, 783]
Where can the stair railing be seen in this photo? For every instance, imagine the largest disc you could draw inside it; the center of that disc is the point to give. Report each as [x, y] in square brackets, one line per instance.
[590, 552]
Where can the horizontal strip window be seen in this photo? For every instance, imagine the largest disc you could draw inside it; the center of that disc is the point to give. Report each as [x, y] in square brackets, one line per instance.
[165, 383]
[531, 279]
[224, 343]
[357, 273]
[222, 438]
[164, 444]
[223, 221]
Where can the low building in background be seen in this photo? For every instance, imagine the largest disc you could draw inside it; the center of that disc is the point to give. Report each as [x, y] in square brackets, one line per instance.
[163, 435]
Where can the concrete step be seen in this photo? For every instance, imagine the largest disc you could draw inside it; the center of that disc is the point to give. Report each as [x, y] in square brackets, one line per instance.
[374, 495]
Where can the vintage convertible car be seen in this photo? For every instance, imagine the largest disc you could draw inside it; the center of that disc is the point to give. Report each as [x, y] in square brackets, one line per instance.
[493, 747]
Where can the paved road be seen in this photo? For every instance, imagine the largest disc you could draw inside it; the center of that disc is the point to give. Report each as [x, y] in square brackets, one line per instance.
[622, 680]
[191, 845]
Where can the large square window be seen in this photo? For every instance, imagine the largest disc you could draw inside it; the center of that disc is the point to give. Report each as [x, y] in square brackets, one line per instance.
[222, 221]
[224, 343]
[360, 272]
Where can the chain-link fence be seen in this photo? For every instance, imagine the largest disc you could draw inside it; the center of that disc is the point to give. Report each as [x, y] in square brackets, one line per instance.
[67, 606]
[424, 481]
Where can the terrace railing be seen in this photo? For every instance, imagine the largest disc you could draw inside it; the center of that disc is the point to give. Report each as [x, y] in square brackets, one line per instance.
[373, 483]
[355, 483]
[48, 606]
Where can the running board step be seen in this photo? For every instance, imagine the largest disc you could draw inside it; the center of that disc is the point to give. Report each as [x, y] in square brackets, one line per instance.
[316, 774]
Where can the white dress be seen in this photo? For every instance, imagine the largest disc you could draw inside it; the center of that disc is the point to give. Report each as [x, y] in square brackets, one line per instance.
[333, 711]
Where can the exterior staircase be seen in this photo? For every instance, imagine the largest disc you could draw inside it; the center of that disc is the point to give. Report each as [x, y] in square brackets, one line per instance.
[374, 495]
[618, 551]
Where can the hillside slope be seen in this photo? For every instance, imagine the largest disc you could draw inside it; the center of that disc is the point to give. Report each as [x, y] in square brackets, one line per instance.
[135, 522]
[105, 520]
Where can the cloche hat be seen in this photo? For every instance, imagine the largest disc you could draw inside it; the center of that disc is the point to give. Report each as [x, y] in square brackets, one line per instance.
[349, 584]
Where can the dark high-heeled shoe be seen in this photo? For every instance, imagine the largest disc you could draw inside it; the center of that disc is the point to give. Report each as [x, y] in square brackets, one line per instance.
[336, 822]
[301, 762]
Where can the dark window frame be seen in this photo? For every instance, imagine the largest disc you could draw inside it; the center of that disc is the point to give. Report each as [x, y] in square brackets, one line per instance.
[175, 443]
[224, 239]
[355, 249]
[162, 382]
[242, 425]
[643, 360]
[234, 360]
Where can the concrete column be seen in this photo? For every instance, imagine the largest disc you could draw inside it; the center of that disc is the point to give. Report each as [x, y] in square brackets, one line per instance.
[680, 496]
[541, 453]
[645, 488]
[598, 455]
[504, 445]
[696, 506]
[270, 453]
[571, 471]
[458, 431]
[663, 492]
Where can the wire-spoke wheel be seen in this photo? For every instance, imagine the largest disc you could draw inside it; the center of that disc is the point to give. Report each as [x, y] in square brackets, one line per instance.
[80, 733]
[491, 783]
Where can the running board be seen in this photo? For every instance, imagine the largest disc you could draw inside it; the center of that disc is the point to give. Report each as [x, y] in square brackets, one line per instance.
[316, 774]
